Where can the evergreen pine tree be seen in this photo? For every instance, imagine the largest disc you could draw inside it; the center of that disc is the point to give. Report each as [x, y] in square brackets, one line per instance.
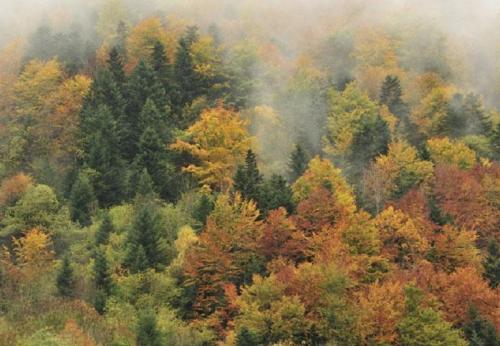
[145, 186]
[104, 230]
[298, 162]
[188, 80]
[203, 208]
[65, 280]
[246, 338]
[115, 65]
[275, 192]
[492, 264]
[82, 200]
[145, 237]
[248, 179]
[152, 156]
[477, 120]
[142, 85]
[479, 331]
[495, 142]
[150, 116]
[162, 67]
[103, 155]
[102, 276]
[147, 330]
[391, 95]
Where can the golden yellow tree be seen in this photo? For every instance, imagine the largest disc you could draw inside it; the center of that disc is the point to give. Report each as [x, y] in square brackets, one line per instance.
[455, 152]
[219, 141]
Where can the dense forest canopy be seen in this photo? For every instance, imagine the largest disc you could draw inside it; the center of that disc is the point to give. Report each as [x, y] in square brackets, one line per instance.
[222, 172]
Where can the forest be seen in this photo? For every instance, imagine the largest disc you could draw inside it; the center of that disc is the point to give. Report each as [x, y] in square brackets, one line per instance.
[217, 172]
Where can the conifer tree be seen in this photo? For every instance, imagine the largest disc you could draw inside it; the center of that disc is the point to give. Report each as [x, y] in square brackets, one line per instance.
[480, 331]
[274, 193]
[104, 230]
[246, 338]
[477, 120]
[188, 80]
[82, 200]
[144, 241]
[162, 67]
[142, 85]
[391, 95]
[203, 208]
[103, 156]
[102, 275]
[147, 330]
[152, 156]
[65, 280]
[495, 142]
[492, 264]
[298, 162]
[248, 179]
[115, 65]
[145, 186]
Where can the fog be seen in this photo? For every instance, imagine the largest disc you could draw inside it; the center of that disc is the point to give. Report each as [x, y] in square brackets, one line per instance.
[464, 34]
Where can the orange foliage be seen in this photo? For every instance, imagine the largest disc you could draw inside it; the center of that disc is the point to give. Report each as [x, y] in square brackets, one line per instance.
[462, 195]
[13, 188]
[381, 307]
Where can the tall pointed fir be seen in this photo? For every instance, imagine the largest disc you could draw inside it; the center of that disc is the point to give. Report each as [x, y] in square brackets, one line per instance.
[104, 230]
[102, 280]
[188, 80]
[142, 85]
[148, 333]
[82, 200]
[248, 179]
[65, 280]
[492, 263]
[115, 66]
[144, 242]
[298, 162]
[162, 66]
[102, 150]
[391, 95]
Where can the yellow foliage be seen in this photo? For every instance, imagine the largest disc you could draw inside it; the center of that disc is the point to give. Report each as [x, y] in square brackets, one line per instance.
[432, 110]
[404, 239]
[34, 250]
[142, 38]
[455, 152]
[38, 81]
[322, 173]
[219, 140]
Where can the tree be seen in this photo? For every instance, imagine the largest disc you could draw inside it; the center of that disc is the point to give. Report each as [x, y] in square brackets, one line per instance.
[480, 331]
[298, 162]
[147, 330]
[248, 179]
[142, 85]
[115, 66]
[219, 142]
[274, 193]
[102, 280]
[102, 275]
[103, 156]
[144, 242]
[187, 78]
[246, 338]
[65, 280]
[163, 68]
[446, 151]
[82, 200]
[152, 157]
[423, 326]
[104, 230]
[38, 208]
[492, 263]
[356, 132]
[391, 96]
[203, 208]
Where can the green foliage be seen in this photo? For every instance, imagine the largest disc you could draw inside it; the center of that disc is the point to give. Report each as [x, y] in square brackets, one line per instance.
[480, 331]
[102, 276]
[492, 263]
[65, 280]
[104, 230]
[248, 179]
[274, 193]
[145, 243]
[298, 162]
[147, 330]
[82, 200]
[38, 207]
[423, 326]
